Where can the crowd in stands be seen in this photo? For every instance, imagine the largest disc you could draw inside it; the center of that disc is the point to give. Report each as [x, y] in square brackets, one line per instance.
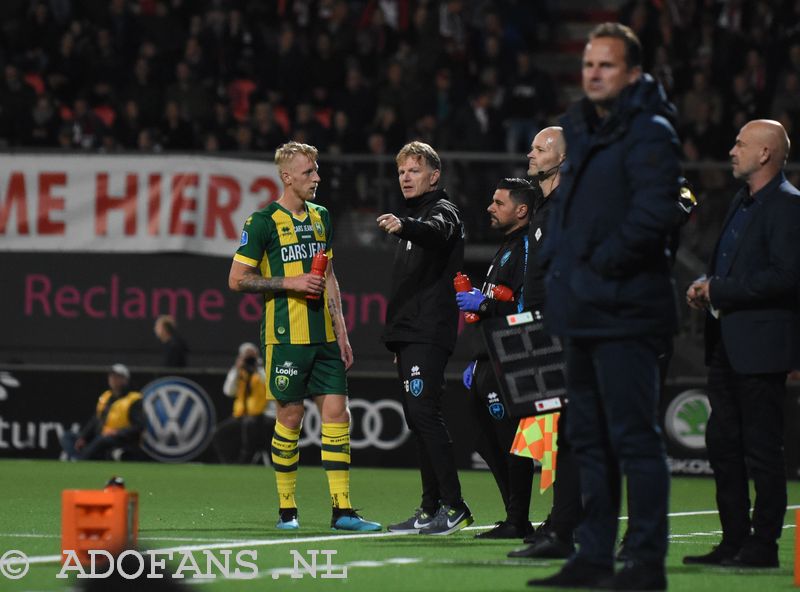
[364, 76]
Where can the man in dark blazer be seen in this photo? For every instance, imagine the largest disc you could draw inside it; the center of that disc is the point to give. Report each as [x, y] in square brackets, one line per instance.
[752, 341]
[609, 296]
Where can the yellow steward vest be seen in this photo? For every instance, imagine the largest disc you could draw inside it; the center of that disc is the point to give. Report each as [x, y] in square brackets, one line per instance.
[118, 416]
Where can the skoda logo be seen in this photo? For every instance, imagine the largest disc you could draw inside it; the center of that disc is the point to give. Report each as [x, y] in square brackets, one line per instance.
[379, 424]
[180, 419]
[686, 418]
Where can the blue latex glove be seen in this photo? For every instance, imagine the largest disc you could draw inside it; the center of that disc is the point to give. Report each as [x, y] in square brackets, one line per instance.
[470, 301]
[467, 376]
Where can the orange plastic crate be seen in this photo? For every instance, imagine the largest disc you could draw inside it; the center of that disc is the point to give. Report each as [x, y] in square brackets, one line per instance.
[106, 519]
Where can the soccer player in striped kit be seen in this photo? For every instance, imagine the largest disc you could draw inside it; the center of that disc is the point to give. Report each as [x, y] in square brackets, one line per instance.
[306, 348]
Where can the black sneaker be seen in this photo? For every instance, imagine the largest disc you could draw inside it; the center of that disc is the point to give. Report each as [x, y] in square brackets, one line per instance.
[637, 576]
[754, 555]
[540, 530]
[576, 574]
[506, 530]
[547, 546]
[413, 525]
[448, 520]
[718, 554]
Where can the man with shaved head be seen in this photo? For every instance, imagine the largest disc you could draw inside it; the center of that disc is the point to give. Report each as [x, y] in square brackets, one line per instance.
[553, 539]
[752, 342]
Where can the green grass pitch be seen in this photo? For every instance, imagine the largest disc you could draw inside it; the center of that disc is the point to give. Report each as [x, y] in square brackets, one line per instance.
[217, 507]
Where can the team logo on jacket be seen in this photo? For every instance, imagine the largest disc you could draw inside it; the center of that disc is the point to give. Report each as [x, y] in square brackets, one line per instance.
[496, 408]
[416, 386]
[504, 258]
[244, 240]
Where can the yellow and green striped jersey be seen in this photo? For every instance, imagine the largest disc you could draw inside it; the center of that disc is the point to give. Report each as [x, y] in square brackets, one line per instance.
[280, 244]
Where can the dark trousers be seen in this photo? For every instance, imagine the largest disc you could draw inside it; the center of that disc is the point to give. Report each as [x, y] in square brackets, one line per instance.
[237, 439]
[567, 509]
[495, 435]
[744, 437]
[420, 367]
[613, 389]
[99, 448]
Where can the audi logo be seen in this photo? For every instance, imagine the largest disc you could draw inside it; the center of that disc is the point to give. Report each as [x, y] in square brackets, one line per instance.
[379, 424]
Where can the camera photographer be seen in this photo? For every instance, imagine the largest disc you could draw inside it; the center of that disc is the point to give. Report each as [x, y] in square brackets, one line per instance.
[239, 437]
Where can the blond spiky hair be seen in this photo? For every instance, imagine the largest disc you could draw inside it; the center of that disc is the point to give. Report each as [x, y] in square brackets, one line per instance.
[420, 151]
[288, 151]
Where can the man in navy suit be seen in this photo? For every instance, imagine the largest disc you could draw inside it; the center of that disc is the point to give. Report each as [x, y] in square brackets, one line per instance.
[609, 295]
[752, 341]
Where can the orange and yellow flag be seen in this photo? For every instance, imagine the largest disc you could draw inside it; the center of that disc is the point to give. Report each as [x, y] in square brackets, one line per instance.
[537, 438]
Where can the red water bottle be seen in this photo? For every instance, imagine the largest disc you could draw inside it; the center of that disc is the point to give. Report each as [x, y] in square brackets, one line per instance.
[503, 293]
[462, 284]
[318, 266]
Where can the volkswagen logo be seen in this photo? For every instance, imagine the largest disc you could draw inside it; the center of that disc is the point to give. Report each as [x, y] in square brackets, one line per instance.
[686, 418]
[380, 424]
[180, 419]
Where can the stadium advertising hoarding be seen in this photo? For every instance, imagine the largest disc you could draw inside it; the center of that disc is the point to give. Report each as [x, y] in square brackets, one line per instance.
[131, 203]
[182, 409]
[95, 248]
[99, 309]
[37, 406]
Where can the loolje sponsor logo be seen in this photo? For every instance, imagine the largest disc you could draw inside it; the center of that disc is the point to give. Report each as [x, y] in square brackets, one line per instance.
[686, 419]
[287, 369]
[180, 419]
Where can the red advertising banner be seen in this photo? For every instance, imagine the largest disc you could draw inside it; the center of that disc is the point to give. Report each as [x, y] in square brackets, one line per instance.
[131, 203]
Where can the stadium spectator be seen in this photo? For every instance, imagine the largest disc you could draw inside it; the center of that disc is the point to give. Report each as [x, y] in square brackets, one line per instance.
[176, 132]
[609, 295]
[145, 92]
[476, 126]
[509, 212]
[344, 139]
[222, 124]
[118, 422]
[16, 99]
[357, 100]
[127, 125]
[267, 135]
[190, 96]
[701, 94]
[752, 341]
[307, 350]
[240, 437]
[530, 100]
[175, 350]
[44, 123]
[421, 323]
[87, 128]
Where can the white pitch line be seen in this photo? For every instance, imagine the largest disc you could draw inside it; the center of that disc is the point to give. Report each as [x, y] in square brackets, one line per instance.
[233, 544]
[276, 572]
[148, 538]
